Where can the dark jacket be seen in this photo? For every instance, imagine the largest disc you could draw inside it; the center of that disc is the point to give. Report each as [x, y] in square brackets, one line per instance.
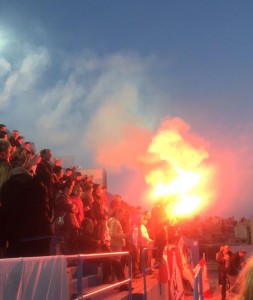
[45, 173]
[64, 206]
[24, 210]
[222, 262]
[88, 206]
[234, 266]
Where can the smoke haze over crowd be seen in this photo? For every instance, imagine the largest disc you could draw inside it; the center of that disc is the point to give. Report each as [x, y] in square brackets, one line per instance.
[77, 82]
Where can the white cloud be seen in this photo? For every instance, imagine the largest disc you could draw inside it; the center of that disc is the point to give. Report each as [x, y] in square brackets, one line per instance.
[5, 67]
[22, 78]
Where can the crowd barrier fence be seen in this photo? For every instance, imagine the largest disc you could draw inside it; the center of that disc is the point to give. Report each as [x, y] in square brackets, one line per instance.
[81, 257]
[146, 269]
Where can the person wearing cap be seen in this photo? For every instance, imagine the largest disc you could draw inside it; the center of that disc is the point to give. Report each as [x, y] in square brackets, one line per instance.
[235, 265]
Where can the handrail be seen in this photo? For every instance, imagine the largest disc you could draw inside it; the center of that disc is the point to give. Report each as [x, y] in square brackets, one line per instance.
[95, 255]
[81, 257]
[107, 288]
[144, 270]
[198, 285]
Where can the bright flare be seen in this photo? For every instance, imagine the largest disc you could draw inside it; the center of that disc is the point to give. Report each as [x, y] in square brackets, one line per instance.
[181, 178]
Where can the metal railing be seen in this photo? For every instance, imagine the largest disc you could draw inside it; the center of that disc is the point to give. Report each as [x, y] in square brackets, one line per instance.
[198, 285]
[145, 270]
[81, 257]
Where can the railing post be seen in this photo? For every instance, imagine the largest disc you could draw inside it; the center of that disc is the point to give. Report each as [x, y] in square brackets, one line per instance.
[81, 257]
[79, 277]
[130, 276]
[144, 273]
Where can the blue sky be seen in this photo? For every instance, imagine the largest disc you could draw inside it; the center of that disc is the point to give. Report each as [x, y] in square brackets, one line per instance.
[74, 73]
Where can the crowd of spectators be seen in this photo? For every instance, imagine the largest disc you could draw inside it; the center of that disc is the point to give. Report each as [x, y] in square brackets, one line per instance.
[48, 210]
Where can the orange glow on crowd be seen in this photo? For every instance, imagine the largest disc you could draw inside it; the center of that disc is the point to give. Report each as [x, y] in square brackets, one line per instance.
[182, 177]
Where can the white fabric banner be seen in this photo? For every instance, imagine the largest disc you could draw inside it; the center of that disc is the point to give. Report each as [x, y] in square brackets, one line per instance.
[33, 278]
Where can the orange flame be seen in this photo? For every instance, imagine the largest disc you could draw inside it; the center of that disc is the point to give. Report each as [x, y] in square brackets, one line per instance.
[181, 176]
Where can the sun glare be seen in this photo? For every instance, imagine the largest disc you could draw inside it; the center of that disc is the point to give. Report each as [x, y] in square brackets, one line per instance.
[4, 39]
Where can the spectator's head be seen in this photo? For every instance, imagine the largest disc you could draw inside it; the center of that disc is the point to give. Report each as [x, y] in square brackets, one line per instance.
[20, 139]
[15, 134]
[242, 253]
[88, 188]
[118, 213]
[58, 171]
[3, 127]
[79, 176]
[97, 189]
[147, 214]
[5, 150]
[144, 220]
[46, 154]
[20, 158]
[221, 248]
[68, 172]
[27, 146]
[3, 135]
[85, 179]
[57, 162]
[116, 202]
[77, 191]
[226, 249]
[67, 187]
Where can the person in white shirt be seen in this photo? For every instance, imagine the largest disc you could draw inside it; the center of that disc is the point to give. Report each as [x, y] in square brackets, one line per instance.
[145, 240]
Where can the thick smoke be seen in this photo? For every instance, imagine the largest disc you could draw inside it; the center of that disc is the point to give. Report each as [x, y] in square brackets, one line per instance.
[105, 110]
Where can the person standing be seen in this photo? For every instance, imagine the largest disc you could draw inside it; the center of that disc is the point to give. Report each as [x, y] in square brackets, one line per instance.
[99, 211]
[145, 240]
[5, 166]
[77, 201]
[135, 246]
[44, 172]
[223, 262]
[235, 265]
[27, 229]
[117, 242]
[159, 221]
[218, 256]
[67, 233]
